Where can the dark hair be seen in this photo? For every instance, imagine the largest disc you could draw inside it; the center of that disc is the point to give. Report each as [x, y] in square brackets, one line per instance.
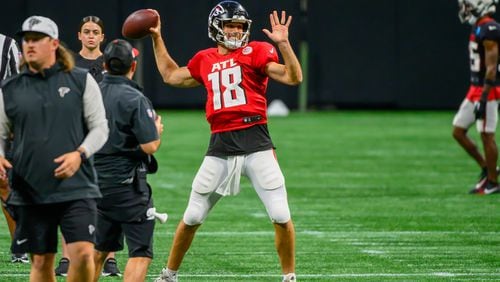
[93, 19]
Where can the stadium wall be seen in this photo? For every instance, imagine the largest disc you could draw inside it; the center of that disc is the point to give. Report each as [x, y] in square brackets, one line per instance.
[382, 54]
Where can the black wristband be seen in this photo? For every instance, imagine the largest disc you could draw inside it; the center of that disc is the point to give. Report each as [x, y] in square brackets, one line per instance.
[489, 82]
[83, 156]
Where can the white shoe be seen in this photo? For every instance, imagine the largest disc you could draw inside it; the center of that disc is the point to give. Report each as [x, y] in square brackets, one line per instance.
[290, 277]
[167, 276]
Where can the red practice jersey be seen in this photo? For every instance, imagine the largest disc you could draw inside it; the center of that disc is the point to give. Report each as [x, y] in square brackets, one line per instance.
[236, 85]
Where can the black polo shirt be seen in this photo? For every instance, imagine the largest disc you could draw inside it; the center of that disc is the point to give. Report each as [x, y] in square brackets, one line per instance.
[131, 118]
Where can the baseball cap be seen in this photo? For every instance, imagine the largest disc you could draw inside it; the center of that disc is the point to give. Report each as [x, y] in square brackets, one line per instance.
[40, 24]
[119, 55]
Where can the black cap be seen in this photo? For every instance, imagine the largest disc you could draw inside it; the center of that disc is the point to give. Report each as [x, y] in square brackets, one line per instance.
[119, 55]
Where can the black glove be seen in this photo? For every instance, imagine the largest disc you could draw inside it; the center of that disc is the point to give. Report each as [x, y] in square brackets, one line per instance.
[480, 109]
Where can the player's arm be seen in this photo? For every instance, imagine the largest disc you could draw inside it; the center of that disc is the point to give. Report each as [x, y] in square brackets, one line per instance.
[491, 62]
[170, 71]
[289, 73]
[153, 146]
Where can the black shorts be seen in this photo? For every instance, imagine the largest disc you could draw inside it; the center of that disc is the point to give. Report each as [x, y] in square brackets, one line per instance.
[139, 235]
[37, 225]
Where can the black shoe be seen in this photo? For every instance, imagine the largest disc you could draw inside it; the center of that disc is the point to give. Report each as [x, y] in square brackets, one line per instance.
[481, 183]
[62, 268]
[110, 268]
[491, 188]
[19, 258]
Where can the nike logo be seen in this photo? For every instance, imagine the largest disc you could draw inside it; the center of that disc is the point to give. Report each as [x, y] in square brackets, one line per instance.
[20, 242]
[491, 191]
[272, 50]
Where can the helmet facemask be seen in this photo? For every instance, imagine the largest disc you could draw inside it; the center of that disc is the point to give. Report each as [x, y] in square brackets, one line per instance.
[471, 10]
[233, 40]
[229, 12]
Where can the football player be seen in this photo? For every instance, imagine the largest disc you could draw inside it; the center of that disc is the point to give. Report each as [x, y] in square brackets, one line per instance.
[235, 75]
[481, 102]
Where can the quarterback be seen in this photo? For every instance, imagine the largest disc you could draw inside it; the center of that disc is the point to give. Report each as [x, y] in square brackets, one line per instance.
[235, 74]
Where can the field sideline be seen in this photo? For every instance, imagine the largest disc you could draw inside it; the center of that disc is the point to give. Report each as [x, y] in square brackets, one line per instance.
[375, 196]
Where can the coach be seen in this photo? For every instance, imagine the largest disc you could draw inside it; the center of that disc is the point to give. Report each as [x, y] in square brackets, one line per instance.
[56, 115]
[122, 164]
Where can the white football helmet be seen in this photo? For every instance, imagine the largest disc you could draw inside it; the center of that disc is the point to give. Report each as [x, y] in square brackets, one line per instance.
[471, 10]
[228, 11]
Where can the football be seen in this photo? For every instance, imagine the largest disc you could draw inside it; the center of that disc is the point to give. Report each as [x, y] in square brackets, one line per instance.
[137, 24]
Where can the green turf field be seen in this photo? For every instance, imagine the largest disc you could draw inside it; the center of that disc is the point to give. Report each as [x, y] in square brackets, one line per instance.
[375, 196]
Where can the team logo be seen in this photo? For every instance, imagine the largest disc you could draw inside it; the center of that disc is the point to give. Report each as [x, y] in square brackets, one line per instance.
[247, 50]
[63, 91]
[151, 113]
[218, 10]
[33, 21]
[91, 229]
[20, 242]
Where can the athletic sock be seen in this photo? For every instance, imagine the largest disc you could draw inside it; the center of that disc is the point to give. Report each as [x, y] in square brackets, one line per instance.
[289, 277]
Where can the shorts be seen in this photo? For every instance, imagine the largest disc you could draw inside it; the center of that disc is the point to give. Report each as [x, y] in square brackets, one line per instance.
[465, 117]
[139, 235]
[37, 225]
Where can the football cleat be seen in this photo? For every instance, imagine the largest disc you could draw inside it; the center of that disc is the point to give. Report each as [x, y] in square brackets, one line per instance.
[167, 276]
[290, 277]
[62, 268]
[481, 183]
[110, 268]
[19, 258]
[491, 188]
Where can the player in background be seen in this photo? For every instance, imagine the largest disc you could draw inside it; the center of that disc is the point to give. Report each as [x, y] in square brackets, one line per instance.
[481, 102]
[91, 36]
[10, 57]
[235, 75]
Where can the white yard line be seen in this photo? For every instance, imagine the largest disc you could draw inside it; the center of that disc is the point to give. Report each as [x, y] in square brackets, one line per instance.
[299, 276]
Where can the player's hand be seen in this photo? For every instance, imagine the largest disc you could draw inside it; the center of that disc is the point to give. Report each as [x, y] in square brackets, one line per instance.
[156, 31]
[159, 124]
[279, 27]
[4, 165]
[69, 165]
[480, 109]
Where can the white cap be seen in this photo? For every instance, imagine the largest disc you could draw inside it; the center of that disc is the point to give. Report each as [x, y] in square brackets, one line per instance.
[40, 24]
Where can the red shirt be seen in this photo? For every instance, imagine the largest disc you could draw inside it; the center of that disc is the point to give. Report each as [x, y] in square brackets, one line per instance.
[236, 84]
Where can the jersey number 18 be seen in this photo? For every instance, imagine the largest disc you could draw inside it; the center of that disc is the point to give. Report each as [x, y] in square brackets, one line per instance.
[233, 95]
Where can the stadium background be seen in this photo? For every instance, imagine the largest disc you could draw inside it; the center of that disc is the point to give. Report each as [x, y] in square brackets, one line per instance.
[390, 54]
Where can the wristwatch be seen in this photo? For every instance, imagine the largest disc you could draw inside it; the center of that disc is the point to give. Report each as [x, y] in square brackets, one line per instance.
[83, 156]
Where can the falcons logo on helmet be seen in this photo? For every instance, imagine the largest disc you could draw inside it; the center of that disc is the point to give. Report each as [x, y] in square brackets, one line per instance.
[218, 10]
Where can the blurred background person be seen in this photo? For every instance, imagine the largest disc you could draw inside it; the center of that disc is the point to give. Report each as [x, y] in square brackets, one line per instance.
[480, 105]
[90, 57]
[10, 57]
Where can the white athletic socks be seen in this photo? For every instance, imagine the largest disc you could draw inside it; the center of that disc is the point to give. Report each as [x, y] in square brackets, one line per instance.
[290, 277]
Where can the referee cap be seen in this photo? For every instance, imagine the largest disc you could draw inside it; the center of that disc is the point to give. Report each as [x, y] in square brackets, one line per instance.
[119, 56]
[40, 24]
